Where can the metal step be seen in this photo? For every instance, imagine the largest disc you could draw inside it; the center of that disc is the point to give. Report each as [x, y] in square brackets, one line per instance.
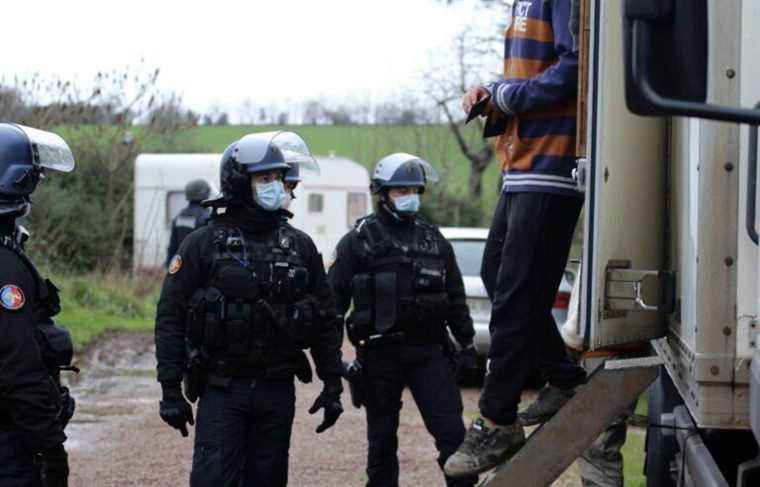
[553, 447]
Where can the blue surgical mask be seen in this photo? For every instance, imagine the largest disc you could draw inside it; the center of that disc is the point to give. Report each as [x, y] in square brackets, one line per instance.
[407, 204]
[270, 196]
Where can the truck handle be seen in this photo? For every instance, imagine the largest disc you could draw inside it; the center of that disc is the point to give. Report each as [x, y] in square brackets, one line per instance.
[752, 182]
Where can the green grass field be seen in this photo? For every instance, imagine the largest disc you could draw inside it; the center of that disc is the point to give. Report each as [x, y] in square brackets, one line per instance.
[94, 303]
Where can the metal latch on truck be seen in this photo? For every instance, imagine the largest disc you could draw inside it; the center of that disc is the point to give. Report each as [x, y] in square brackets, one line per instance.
[629, 289]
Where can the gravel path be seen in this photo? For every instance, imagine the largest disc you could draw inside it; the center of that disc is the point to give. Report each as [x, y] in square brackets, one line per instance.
[117, 438]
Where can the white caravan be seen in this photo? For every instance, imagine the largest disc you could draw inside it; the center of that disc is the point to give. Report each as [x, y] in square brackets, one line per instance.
[325, 207]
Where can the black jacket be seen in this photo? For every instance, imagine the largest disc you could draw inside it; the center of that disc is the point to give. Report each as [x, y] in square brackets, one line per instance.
[347, 264]
[192, 217]
[27, 395]
[196, 253]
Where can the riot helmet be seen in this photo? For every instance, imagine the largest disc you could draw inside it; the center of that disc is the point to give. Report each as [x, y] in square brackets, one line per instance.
[402, 170]
[197, 190]
[25, 154]
[261, 152]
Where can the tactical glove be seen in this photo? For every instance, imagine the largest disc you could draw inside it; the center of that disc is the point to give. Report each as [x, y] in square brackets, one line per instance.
[175, 410]
[68, 406]
[54, 467]
[354, 374]
[468, 361]
[329, 400]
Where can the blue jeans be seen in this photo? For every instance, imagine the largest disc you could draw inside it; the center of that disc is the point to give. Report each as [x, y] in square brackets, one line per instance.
[17, 468]
[242, 434]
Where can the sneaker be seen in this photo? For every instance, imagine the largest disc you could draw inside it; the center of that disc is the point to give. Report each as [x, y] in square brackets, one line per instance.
[484, 447]
[550, 400]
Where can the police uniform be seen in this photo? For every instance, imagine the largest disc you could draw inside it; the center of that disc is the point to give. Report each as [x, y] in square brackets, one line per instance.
[406, 289]
[191, 217]
[34, 408]
[244, 296]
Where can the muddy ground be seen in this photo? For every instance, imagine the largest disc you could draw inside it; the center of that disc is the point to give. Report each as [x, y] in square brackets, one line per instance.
[117, 439]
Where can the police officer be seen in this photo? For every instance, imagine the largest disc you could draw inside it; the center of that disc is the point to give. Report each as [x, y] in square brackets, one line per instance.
[191, 217]
[243, 297]
[406, 289]
[34, 408]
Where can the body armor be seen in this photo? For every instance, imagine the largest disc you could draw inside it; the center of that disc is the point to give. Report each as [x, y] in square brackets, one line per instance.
[54, 341]
[402, 289]
[246, 321]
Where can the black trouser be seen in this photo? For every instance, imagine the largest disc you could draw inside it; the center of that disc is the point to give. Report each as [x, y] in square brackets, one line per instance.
[523, 264]
[17, 467]
[242, 435]
[427, 373]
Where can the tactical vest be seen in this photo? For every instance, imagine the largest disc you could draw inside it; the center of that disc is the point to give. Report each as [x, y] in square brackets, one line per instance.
[402, 288]
[240, 320]
[54, 341]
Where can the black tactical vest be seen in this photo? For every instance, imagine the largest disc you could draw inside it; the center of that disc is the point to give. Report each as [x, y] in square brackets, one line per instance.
[402, 287]
[239, 319]
[54, 341]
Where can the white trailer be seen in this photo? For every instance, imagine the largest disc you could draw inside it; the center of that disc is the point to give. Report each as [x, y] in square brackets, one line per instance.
[325, 207]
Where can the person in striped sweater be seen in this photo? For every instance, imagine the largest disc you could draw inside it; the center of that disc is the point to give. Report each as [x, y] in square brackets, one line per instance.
[531, 233]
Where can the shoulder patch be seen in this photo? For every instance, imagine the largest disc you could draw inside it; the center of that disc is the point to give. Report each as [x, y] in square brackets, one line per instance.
[175, 264]
[12, 297]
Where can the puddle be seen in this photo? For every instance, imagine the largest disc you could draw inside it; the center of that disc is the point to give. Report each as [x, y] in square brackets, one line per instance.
[116, 385]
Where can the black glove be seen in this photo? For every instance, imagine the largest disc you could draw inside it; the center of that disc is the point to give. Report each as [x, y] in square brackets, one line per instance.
[175, 410]
[329, 400]
[68, 405]
[468, 360]
[54, 467]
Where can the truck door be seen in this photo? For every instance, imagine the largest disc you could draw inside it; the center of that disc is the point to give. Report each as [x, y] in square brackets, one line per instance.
[625, 174]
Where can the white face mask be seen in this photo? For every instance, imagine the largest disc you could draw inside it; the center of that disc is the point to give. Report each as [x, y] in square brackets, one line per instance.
[407, 204]
[270, 196]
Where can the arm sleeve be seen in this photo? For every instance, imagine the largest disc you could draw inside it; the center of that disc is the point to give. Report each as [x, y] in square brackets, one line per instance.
[171, 311]
[556, 84]
[26, 389]
[326, 352]
[172, 249]
[341, 275]
[459, 320]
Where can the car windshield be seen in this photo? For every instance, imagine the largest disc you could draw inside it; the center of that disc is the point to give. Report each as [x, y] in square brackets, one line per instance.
[469, 254]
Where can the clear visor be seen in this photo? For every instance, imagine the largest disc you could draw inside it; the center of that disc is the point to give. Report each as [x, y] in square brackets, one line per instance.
[253, 149]
[395, 160]
[50, 150]
[295, 151]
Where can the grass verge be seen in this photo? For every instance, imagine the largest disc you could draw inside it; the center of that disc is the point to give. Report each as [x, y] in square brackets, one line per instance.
[94, 303]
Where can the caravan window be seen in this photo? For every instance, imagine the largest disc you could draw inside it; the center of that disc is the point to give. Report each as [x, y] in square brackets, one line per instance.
[316, 203]
[175, 201]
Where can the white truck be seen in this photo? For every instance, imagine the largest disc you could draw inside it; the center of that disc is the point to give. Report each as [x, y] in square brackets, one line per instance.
[325, 207]
[668, 164]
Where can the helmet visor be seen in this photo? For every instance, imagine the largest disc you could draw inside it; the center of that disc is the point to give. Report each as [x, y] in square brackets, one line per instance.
[49, 150]
[296, 151]
[391, 163]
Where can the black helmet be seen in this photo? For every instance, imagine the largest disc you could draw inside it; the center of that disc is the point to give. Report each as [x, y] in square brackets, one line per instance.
[293, 174]
[25, 153]
[197, 190]
[402, 169]
[261, 152]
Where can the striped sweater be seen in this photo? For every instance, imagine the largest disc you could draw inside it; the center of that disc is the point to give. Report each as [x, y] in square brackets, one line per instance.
[538, 93]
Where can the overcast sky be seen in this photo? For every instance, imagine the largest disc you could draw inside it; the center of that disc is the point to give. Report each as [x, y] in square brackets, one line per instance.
[221, 52]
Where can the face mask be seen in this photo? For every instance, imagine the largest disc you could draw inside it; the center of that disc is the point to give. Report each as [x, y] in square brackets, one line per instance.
[270, 196]
[407, 204]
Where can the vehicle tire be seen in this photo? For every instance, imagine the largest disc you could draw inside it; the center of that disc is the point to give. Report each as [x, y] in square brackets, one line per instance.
[660, 448]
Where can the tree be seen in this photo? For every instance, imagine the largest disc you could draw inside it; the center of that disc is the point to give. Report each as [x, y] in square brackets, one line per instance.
[465, 64]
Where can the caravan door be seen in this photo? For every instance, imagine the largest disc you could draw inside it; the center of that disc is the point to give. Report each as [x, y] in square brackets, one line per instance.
[625, 185]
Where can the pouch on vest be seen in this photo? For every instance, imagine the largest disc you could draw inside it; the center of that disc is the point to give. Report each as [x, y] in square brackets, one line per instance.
[55, 345]
[385, 301]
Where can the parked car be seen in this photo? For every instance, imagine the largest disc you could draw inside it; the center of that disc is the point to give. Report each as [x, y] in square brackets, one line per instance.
[468, 244]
